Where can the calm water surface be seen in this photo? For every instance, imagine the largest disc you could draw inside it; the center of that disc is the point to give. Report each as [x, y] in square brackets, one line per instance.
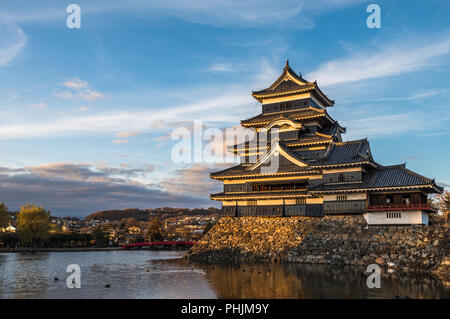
[163, 274]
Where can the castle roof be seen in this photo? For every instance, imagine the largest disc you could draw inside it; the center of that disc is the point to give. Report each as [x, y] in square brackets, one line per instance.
[351, 152]
[290, 83]
[395, 176]
[299, 114]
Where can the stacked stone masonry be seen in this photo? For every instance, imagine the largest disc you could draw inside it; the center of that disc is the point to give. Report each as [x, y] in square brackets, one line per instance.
[340, 240]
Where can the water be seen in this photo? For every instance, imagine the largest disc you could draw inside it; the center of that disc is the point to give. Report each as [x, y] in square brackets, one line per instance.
[163, 274]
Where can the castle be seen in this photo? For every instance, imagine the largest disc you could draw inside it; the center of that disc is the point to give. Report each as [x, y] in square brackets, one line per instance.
[317, 172]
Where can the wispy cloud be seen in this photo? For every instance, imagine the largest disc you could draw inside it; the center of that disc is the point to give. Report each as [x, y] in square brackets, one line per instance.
[222, 67]
[392, 59]
[126, 134]
[219, 108]
[373, 125]
[38, 106]
[76, 84]
[193, 180]
[120, 141]
[79, 90]
[9, 51]
[411, 97]
[213, 12]
[80, 189]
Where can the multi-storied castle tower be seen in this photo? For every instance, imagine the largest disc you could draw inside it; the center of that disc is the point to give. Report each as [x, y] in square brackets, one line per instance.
[317, 172]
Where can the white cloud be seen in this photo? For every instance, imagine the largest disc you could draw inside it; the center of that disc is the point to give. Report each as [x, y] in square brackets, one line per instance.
[212, 12]
[392, 59]
[222, 67]
[120, 141]
[76, 84]
[411, 97]
[38, 106]
[9, 51]
[80, 90]
[126, 134]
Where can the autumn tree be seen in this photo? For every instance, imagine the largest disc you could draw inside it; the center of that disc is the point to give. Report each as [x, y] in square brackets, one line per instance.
[4, 216]
[154, 229]
[33, 225]
[442, 202]
[101, 236]
[208, 226]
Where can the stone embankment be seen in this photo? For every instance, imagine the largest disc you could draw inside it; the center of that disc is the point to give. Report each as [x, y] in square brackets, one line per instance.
[252, 239]
[347, 240]
[339, 240]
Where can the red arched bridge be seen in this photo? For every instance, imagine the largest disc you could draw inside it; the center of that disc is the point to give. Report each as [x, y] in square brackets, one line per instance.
[161, 244]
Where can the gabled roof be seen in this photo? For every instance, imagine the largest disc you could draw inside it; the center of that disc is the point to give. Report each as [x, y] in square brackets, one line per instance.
[395, 176]
[281, 151]
[303, 140]
[309, 140]
[289, 163]
[242, 171]
[299, 114]
[259, 195]
[345, 153]
[290, 83]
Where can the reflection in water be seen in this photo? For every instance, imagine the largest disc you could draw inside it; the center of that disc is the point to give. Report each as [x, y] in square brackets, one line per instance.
[315, 281]
[163, 274]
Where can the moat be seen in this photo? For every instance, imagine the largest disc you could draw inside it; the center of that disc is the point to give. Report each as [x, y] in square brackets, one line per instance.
[164, 274]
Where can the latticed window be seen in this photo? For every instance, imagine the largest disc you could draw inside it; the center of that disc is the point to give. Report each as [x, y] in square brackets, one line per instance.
[341, 178]
[341, 197]
[251, 203]
[394, 215]
[301, 201]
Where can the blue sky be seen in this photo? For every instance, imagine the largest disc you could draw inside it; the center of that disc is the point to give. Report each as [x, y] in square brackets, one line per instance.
[86, 114]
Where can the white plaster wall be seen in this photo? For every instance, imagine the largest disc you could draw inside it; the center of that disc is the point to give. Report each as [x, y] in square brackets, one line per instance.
[408, 218]
[350, 196]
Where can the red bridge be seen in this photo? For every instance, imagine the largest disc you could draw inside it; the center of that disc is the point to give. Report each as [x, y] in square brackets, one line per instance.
[161, 244]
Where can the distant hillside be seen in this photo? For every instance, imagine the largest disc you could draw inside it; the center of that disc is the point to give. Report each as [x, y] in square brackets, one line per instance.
[144, 214]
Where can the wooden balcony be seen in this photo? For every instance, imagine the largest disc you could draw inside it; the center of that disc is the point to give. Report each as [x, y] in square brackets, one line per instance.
[397, 207]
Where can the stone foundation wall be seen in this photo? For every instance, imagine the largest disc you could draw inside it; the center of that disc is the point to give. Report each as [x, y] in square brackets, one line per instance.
[347, 240]
[252, 238]
[329, 240]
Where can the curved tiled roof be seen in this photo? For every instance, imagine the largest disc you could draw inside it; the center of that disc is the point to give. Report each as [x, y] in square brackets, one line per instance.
[345, 153]
[291, 83]
[264, 118]
[381, 177]
[285, 86]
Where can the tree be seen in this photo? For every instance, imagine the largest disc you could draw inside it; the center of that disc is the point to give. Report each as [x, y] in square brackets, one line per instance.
[33, 225]
[4, 216]
[208, 226]
[101, 236]
[154, 230]
[442, 202]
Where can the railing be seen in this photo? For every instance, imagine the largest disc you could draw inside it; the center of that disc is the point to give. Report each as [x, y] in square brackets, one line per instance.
[400, 207]
[159, 243]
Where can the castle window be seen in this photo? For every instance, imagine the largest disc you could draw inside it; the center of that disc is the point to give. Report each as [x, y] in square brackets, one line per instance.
[341, 197]
[406, 199]
[394, 215]
[300, 201]
[341, 178]
[389, 199]
[251, 203]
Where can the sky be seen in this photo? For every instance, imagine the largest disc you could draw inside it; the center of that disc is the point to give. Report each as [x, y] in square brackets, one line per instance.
[86, 114]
